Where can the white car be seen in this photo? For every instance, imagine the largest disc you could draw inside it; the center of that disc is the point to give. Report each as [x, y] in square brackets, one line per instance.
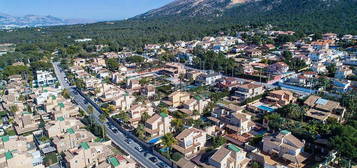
[139, 148]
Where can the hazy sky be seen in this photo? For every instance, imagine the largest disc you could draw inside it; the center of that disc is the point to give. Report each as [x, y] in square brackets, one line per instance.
[91, 9]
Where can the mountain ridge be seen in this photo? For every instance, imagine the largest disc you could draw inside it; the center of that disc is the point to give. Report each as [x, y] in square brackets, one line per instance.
[30, 20]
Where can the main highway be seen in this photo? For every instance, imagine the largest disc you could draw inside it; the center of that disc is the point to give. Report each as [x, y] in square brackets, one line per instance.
[117, 138]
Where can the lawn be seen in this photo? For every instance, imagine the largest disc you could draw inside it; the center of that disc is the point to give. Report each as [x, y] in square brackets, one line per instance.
[50, 159]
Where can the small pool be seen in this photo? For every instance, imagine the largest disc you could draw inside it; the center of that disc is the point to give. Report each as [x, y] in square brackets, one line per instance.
[189, 87]
[164, 149]
[261, 132]
[266, 108]
[154, 140]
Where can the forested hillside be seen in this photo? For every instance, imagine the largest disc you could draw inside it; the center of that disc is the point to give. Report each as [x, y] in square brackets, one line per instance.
[308, 16]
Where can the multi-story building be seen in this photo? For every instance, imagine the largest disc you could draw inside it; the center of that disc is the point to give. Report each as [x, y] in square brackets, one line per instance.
[280, 97]
[158, 125]
[87, 155]
[190, 141]
[72, 138]
[177, 98]
[248, 90]
[322, 109]
[286, 146]
[44, 78]
[229, 156]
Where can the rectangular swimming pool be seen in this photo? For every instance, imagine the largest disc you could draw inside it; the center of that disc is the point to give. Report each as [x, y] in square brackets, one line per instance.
[266, 108]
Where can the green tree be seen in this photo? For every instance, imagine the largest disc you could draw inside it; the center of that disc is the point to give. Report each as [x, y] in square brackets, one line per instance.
[218, 141]
[292, 111]
[145, 116]
[168, 140]
[90, 114]
[112, 64]
[13, 109]
[103, 119]
[139, 131]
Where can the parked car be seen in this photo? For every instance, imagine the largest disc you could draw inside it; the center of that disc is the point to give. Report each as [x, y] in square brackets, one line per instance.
[139, 148]
[162, 165]
[128, 140]
[115, 130]
[153, 159]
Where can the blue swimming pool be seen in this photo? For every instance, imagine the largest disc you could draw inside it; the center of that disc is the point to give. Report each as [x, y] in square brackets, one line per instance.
[266, 108]
[154, 141]
[164, 149]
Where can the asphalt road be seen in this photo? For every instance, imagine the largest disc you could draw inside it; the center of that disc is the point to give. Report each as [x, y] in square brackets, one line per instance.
[118, 138]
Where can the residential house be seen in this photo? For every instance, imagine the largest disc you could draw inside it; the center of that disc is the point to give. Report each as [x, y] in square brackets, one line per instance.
[177, 98]
[238, 122]
[286, 146]
[133, 84]
[71, 139]
[117, 77]
[322, 109]
[190, 141]
[254, 52]
[278, 68]
[248, 90]
[343, 72]
[79, 62]
[158, 125]
[319, 68]
[58, 127]
[196, 103]
[16, 159]
[87, 155]
[184, 163]
[228, 83]
[118, 161]
[148, 91]
[136, 111]
[209, 79]
[44, 78]
[229, 156]
[193, 74]
[177, 68]
[16, 152]
[280, 97]
[26, 122]
[329, 36]
[341, 86]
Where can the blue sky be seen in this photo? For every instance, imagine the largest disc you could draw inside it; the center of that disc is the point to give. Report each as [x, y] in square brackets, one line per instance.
[90, 9]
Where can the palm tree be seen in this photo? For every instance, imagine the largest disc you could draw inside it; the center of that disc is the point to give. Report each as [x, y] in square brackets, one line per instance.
[90, 113]
[13, 109]
[103, 119]
[168, 140]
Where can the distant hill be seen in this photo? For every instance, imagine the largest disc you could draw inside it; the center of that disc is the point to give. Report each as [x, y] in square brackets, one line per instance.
[194, 19]
[8, 21]
[325, 15]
